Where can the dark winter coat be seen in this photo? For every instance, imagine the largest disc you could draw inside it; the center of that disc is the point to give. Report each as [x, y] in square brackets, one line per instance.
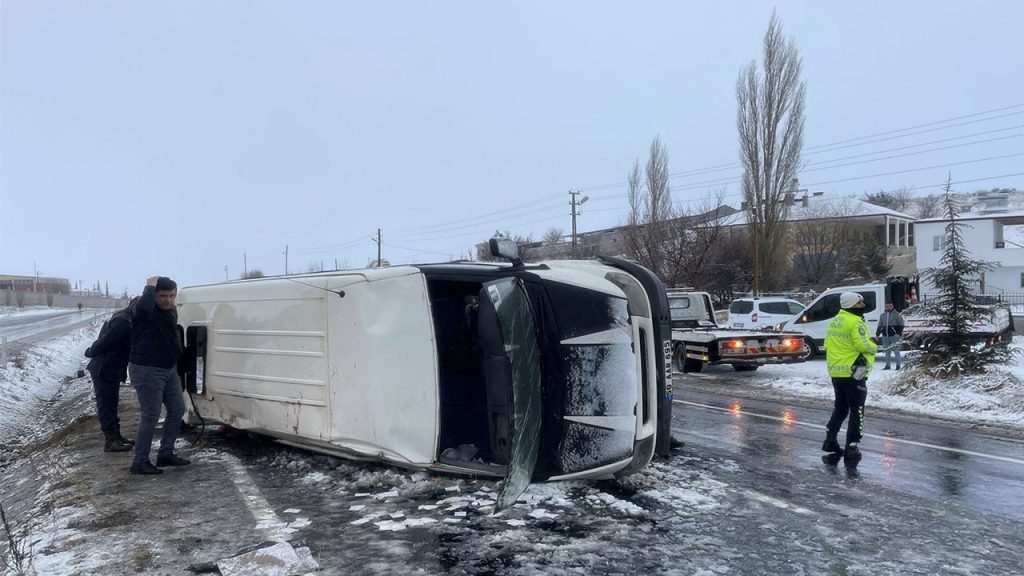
[890, 323]
[109, 353]
[155, 338]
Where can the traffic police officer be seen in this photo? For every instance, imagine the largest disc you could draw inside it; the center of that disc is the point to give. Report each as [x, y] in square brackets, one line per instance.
[850, 355]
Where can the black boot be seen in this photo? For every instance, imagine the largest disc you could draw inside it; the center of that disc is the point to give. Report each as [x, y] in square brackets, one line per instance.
[831, 445]
[852, 456]
[123, 440]
[112, 442]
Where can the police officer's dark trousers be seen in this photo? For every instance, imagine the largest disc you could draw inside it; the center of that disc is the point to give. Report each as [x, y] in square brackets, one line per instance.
[850, 398]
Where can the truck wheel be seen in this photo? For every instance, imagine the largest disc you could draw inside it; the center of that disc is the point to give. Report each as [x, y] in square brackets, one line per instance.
[744, 367]
[691, 365]
[1007, 338]
[810, 349]
[680, 363]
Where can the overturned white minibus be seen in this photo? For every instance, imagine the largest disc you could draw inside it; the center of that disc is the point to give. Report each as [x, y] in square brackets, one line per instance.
[552, 371]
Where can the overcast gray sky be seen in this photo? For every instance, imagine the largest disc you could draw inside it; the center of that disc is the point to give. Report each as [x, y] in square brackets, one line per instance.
[141, 138]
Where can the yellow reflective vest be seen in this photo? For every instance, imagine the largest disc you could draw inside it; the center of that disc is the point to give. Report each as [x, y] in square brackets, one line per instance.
[848, 338]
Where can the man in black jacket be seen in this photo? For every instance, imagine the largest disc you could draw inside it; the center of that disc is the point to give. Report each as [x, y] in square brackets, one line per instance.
[108, 366]
[156, 348]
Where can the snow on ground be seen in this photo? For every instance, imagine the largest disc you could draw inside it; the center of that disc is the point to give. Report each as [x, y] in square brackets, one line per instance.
[6, 311]
[34, 375]
[993, 398]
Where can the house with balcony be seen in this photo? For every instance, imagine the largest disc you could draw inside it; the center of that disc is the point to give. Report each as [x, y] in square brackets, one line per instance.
[991, 235]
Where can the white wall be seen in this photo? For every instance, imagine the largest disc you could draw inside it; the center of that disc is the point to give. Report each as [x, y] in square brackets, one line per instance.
[980, 240]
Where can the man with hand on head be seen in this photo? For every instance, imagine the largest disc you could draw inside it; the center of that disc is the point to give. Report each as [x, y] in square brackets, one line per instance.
[156, 348]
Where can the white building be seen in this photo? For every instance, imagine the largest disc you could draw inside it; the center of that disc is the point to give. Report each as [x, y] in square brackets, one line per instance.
[996, 237]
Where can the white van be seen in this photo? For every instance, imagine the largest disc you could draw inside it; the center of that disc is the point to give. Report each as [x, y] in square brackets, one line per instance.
[553, 371]
[814, 320]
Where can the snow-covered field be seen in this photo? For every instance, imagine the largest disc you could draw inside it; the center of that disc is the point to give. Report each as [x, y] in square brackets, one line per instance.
[33, 375]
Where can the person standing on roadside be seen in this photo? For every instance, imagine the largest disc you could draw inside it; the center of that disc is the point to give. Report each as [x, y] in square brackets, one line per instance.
[850, 355]
[108, 367]
[890, 330]
[156, 347]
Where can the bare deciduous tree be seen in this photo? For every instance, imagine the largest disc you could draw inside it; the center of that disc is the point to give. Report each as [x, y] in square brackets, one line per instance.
[770, 121]
[254, 273]
[829, 245]
[898, 199]
[554, 235]
[649, 210]
[929, 206]
[818, 241]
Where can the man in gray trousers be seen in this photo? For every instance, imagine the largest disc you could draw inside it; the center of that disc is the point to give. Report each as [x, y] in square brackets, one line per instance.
[156, 348]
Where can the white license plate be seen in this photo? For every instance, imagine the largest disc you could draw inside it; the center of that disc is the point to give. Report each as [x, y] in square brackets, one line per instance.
[737, 324]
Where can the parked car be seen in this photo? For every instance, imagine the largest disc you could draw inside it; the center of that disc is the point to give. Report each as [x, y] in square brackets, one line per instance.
[761, 312]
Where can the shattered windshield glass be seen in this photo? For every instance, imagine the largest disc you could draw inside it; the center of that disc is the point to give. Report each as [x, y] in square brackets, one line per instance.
[522, 350]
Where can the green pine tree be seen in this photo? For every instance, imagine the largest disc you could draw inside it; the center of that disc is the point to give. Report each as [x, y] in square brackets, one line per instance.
[951, 352]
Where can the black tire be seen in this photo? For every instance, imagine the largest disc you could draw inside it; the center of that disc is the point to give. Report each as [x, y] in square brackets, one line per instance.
[810, 349]
[691, 365]
[744, 367]
[680, 363]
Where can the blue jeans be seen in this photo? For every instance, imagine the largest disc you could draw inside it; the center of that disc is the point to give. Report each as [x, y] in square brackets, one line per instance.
[156, 386]
[892, 342]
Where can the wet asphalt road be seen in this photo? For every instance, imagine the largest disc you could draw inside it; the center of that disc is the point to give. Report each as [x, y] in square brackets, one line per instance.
[746, 494]
[26, 326]
[940, 462]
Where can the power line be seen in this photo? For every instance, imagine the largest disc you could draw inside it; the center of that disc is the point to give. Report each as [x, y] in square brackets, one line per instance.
[497, 219]
[925, 125]
[951, 146]
[505, 211]
[341, 246]
[918, 132]
[809, 151]
[389, 245]
[946, 165]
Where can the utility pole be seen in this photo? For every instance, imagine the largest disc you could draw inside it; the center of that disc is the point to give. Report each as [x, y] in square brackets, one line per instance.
[377, 240]
[285, 259]
[245, 264]
[573, 204]
[225, 272]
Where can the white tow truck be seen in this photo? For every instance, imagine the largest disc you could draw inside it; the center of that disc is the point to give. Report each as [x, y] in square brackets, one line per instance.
[698, 339]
